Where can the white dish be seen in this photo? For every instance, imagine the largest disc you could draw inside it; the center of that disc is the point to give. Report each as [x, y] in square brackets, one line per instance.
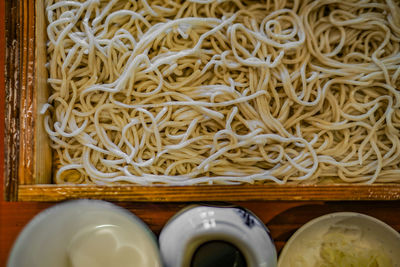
[85, 233]
[306, 242]
[187, 232]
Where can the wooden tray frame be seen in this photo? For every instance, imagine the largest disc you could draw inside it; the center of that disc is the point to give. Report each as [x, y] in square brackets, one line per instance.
[28, 156]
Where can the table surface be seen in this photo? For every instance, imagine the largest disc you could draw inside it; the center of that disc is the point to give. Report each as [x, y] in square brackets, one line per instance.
[283, 218]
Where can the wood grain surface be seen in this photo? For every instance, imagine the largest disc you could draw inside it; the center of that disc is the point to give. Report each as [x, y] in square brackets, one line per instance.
[9, 98]
[208, 192]
[282, 217]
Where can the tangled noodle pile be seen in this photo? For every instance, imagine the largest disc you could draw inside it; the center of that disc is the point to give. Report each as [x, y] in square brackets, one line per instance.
[224, 92]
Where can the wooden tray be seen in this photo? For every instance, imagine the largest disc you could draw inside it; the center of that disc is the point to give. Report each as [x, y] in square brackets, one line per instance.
[28, 157]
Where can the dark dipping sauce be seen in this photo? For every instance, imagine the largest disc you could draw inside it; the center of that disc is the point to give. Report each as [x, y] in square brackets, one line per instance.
[218, 254]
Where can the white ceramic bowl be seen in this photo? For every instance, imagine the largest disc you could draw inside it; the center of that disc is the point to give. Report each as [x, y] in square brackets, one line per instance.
[306, 241]
[85, 233]
[197, 225]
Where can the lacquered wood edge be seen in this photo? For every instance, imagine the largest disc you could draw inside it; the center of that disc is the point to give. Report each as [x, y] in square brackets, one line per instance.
[19, 103]
[27, 109]
[12, 97]
[42, 153]
[209, 192]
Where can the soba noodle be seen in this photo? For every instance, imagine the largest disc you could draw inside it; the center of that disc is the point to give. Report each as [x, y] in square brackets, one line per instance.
[224, 92]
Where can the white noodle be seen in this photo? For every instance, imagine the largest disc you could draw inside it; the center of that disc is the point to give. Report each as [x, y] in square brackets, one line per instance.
[224, 92]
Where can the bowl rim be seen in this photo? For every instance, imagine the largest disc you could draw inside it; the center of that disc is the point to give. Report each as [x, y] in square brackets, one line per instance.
[43, 215]
[311, 223]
